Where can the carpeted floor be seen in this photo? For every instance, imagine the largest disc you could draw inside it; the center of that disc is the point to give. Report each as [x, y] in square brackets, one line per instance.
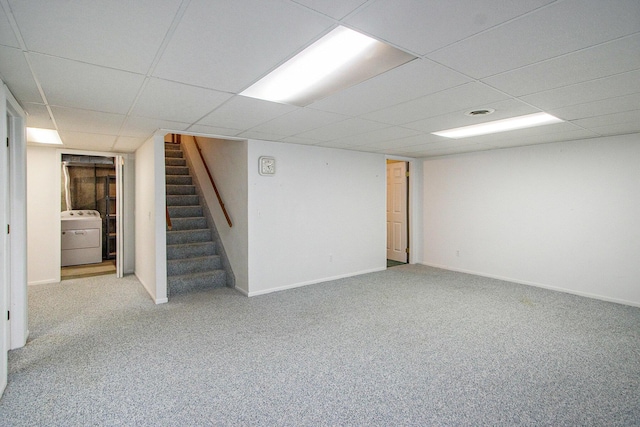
[409, 346]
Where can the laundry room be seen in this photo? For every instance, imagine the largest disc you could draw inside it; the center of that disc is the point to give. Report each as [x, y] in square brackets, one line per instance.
[87, 215]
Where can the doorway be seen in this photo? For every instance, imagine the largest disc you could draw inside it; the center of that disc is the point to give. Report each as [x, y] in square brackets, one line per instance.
[89, 209]
[397, 212]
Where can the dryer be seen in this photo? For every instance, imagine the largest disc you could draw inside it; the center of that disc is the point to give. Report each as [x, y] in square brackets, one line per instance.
[81, 237]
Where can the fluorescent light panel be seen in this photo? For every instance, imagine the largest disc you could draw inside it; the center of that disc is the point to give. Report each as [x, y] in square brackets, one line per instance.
[43, 136]
[338, 60]
[521, 122]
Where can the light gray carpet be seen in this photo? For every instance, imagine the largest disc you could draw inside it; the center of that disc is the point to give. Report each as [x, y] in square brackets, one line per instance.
[408, 346]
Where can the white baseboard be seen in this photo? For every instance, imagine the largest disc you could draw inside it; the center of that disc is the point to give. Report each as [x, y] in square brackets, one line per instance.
[43, 282]
[312, 282]
[537, 285]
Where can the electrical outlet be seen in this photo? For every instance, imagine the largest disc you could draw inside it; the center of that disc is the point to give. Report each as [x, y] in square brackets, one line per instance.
[458, 254]
[330, 257]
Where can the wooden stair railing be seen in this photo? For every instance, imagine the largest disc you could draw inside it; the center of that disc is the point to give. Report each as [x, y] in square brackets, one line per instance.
[169, 226]
[224, 210]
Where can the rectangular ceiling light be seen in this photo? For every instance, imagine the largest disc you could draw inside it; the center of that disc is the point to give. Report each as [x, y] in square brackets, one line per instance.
[504, 125]
[43, 136]
[337, 61]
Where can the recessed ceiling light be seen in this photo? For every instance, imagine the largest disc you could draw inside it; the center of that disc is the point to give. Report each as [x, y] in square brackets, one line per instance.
[338, 60]
[43, 136]
[496, 126]
[481, 112]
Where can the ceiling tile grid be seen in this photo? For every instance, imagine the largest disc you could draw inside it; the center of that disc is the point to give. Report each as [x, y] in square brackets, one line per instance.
[113, 73]
[118, 34]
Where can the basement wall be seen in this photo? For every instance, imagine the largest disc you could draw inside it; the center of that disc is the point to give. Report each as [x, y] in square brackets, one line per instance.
[322, 216]
[150, 219]
[227, 162]
[562, 216]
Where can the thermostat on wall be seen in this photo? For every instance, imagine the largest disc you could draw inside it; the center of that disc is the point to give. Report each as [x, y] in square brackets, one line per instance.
[267, 165]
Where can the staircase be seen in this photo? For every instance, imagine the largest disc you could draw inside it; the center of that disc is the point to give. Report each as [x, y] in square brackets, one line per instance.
[192, 258]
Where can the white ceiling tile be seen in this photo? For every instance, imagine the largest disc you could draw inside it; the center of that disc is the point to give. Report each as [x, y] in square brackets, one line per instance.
[143, 127]
[381, 137]
[7, 37]
[87, 141]
[503, 110]
[454, 99]
[429, 150]
[243, 113]
[15, 73]
[119, 34]
[618, 129]
[610, 58]
[593, 90]
[409, 81]
[176, 101]
[411, 141]
[512, 137]
[77, 85]
[298, 121]
[343, 129]
[212, 130]
[596, 108]
[429, 25]
[38, 116]
[300, 140]
[74, 120]
[336, 9]
[400, 141]
[560, 28]
[127, 144]
[568, 135]
[227, 45]
[250, 134]
[623, 118]
[455, 150]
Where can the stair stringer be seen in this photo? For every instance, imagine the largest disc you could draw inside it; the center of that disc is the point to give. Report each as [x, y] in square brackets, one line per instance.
[226, 265]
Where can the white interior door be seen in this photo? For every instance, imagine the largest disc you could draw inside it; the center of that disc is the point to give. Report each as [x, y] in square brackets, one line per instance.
[397, 211]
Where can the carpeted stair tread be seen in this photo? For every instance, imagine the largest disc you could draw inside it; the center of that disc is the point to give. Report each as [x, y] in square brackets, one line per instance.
[185, 211]
[183, 200]
[176, 267]
[187, 250]
[172, 189]
[175, 161]
[188, 236]
[176, 170]
[189, 223]
[194, 281]
[178, 180]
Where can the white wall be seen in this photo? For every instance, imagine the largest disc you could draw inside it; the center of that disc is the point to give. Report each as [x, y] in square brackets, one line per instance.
[227, 161]
[150, 234]
[43, 212]
[43, 215]
[321, 217]
[562, 215]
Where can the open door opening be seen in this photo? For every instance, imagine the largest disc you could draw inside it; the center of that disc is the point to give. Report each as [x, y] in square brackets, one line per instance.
[91, 236]
[397, 212]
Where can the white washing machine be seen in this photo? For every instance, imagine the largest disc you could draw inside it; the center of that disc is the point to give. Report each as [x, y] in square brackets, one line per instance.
[81, 237]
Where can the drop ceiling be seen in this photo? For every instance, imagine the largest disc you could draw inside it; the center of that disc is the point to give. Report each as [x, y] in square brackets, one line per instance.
[107, 75]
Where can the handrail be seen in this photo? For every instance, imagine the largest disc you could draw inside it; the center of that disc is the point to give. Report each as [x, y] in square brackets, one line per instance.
[224, 210]
[169, 225]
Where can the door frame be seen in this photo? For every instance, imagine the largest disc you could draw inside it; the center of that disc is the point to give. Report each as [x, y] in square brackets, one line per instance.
[407, 238]
[414, 203]
[118, 160]
[13, 262]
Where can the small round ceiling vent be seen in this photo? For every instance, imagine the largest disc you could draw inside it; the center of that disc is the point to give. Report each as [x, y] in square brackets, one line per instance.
[481, 112]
